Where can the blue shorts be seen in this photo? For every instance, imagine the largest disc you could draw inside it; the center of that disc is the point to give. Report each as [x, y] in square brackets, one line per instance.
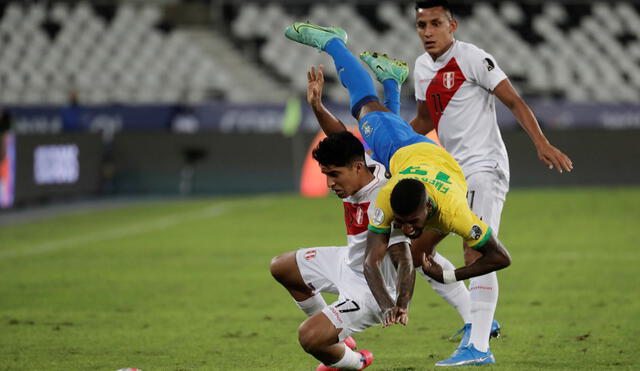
[385, 133]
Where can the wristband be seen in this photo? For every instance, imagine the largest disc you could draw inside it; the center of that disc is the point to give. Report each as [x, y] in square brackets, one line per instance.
[449, 276]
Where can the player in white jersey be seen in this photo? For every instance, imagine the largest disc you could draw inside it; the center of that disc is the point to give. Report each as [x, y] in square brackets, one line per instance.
[339, 270]
[455, 86]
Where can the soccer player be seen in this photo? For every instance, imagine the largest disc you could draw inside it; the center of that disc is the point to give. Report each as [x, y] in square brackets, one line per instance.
[455, 86]
[440, 206]
[339, 270]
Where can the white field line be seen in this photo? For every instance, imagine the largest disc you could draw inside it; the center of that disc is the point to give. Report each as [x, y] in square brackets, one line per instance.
[114, 234]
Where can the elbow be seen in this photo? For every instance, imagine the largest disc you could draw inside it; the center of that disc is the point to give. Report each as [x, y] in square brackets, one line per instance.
[504, 261]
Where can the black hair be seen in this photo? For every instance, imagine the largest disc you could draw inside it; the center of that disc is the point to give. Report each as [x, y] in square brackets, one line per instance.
[339, 149]
[407, 196]
[435, 3]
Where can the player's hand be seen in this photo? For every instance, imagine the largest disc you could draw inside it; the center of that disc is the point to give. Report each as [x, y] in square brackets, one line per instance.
[402, 316]
[395, 315]
[554, 158]
[315, 83]
[432, 269]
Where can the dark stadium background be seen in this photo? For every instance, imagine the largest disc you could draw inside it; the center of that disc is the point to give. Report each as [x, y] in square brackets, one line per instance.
[171, 97]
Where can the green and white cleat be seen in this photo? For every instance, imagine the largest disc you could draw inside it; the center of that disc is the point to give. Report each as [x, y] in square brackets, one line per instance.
[314, 35]
[386, 68]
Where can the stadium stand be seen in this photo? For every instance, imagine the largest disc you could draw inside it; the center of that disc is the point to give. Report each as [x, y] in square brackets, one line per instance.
[129, 53]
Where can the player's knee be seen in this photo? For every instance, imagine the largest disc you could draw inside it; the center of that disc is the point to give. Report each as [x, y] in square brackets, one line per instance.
[276, 267]
[309, 338]
[280, 267]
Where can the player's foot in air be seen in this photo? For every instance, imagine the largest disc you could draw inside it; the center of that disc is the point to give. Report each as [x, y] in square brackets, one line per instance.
[350, 342]
[366, 358]
[386, 68]
[468, 356]
[314, 35]
[466, 333]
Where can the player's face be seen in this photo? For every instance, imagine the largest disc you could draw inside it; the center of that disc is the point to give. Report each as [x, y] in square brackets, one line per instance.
[343, 180]
[412, 225]
[435, 29]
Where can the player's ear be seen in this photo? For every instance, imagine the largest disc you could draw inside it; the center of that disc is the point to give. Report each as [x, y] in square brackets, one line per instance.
[453, 25]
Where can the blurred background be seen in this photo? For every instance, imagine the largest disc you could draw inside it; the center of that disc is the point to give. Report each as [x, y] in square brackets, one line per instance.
[195, 97]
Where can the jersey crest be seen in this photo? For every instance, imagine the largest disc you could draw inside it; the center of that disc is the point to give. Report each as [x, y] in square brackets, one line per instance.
[356, 218]
[449, 79]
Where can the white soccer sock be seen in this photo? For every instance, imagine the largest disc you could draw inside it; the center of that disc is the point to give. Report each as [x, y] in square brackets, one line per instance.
[484, 297]
[312, 305]
[456, 294]
[350, 361]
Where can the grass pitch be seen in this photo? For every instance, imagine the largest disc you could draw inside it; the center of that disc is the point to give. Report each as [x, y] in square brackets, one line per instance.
[185, 285]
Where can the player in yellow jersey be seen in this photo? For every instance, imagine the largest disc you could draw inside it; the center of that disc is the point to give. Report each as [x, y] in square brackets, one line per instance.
[426, 192]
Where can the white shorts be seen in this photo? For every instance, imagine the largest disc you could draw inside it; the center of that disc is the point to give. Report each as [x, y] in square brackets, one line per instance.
[486, 193]
[325, 269]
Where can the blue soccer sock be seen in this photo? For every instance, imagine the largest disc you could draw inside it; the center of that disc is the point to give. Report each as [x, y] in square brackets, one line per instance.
[391, 95]
[352, 75]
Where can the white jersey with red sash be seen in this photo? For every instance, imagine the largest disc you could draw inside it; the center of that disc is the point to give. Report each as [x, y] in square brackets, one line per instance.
[457, 88]
[356, 218]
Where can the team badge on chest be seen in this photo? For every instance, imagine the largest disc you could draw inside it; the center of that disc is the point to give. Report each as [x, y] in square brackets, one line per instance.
[449, 79]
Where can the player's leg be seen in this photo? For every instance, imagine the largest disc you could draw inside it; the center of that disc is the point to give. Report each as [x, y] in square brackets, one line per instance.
[319, 337]
[486, 195]
[284, 268]
[391, 73]
[353, 76]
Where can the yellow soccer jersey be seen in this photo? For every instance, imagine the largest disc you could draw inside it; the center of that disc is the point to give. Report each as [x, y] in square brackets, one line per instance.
[445, 185]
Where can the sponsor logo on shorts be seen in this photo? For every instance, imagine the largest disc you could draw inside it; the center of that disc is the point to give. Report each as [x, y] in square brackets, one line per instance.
[378, 216]
[310, 254]
[475, 232]
[336, 314]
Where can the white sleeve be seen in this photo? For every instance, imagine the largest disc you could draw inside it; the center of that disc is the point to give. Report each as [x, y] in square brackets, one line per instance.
[485, 70]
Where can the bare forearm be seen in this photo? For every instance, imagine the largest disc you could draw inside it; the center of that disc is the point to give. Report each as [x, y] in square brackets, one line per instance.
[494, 257]
[406, 283]
[376, 284]
[328, 122]
[528, 122]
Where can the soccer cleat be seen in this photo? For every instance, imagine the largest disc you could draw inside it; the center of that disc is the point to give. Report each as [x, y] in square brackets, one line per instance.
[366, 357]
[468, 356]
[386, 68]
[466, 333]
[350, 342]
[314, 35]
[495, 330]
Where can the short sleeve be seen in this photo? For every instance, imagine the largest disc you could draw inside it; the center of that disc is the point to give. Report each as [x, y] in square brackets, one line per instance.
[463, 222]
[380, 213]
[485, 70]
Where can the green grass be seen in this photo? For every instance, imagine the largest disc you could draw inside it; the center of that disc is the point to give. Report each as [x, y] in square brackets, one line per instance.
[185, 285]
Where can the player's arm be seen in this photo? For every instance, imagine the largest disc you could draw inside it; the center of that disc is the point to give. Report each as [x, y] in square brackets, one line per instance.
[400, 254]
[422, 123]
[374, 254]
[494, 257]
[328, 122]
[547, 153]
